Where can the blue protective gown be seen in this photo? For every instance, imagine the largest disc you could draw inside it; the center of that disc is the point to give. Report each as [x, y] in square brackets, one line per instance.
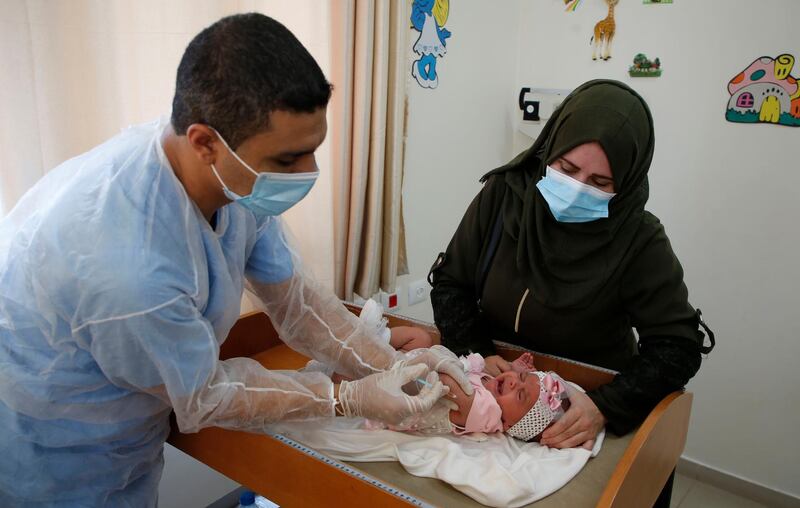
[115, 294]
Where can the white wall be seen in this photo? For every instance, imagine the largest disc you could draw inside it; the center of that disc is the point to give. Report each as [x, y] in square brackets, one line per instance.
[456, 132]
[726, 192]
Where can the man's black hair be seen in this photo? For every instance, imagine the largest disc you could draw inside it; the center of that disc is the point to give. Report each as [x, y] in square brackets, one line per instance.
[239, 70]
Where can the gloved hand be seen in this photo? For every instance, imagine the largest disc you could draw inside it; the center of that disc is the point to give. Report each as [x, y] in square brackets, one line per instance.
[438, 359]
[434, 421]
[381, 397]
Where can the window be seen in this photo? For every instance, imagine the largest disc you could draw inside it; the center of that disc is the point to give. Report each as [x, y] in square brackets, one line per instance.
[745, 100]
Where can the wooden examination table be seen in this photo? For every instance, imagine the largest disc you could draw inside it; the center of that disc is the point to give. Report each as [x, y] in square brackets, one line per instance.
[628, 472]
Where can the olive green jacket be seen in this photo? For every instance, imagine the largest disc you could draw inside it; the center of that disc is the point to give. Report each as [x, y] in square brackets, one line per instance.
[479, 295]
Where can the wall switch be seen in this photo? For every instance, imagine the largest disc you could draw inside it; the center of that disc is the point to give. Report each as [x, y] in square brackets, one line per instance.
[418, 291]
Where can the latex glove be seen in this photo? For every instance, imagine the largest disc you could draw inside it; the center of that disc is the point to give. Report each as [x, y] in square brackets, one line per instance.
[438, 359]
[578, 427]
[381, 397]
[496, 365]
[435, 421]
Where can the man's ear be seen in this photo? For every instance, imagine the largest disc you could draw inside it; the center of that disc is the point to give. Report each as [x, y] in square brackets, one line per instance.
[204, 142]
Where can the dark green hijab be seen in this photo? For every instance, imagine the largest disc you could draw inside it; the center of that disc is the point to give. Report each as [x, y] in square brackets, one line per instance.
[568, 264]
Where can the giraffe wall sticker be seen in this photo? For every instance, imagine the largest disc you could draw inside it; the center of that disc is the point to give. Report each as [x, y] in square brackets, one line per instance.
[765, 92]
[604, 33]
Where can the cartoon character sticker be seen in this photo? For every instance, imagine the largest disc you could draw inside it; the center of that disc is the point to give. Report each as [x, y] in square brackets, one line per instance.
[572, 5]
[765, 92]
[428, 18]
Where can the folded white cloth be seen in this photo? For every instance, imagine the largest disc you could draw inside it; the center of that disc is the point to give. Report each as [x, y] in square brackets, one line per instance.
[372, 315]
[499, 471]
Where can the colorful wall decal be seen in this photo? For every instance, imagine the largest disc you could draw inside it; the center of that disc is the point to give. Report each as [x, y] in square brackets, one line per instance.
[765, 92]
[572, 5]
[604, 32]
[644, 68]
[428, 18]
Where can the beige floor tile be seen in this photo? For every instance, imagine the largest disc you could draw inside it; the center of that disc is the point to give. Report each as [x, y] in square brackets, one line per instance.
[701, 495]
[680, 488]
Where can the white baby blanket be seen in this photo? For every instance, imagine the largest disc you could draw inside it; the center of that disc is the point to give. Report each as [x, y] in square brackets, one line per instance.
[500, 471]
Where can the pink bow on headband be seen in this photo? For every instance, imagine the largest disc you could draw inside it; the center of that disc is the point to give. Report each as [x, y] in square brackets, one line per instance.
[552, 391]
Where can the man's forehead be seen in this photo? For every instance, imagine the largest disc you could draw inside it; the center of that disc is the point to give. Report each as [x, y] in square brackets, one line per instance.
[291, 134]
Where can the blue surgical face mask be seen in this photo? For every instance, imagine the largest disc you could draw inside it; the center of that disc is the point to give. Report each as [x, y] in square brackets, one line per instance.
[272, 193]
[571, 200]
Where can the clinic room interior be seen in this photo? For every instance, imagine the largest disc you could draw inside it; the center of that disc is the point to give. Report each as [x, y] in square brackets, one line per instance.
[455, 134]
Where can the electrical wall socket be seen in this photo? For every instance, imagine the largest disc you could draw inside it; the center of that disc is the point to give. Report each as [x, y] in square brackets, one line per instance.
[418, 291]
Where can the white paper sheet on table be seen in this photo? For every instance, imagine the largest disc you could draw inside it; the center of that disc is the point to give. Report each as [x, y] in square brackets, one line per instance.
[500, 471]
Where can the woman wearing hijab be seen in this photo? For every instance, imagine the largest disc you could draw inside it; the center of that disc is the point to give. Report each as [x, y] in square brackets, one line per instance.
[558, 254]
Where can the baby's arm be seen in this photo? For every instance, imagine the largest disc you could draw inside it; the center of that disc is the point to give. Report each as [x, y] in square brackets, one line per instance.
[523, 363]
[406, 338]
[464, 401]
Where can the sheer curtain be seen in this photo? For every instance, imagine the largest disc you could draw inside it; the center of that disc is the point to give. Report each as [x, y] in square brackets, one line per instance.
[78, 71]
[369, 135]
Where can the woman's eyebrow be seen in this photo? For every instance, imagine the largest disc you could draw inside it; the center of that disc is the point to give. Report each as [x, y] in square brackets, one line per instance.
[570, 162]
[596, 175]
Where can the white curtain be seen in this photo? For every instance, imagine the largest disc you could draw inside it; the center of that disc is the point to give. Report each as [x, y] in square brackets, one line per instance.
[75, 72]
[370, 51]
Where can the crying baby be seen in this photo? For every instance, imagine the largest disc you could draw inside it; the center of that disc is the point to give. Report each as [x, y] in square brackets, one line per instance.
[522, 402]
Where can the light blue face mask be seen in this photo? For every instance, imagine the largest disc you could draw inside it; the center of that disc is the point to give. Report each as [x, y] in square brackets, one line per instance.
[272, 193]
[571, 200]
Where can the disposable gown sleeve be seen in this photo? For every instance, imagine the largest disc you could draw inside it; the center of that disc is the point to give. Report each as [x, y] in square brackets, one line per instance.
[171, 353]
[308, 316]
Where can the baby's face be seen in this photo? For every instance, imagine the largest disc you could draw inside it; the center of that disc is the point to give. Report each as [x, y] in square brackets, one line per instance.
[516, 393]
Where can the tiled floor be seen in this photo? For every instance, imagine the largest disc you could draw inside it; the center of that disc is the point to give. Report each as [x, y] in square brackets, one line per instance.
[689, 493]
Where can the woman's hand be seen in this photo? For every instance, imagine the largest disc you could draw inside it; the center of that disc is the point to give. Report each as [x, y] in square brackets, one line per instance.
[496, 365]
[578, 427]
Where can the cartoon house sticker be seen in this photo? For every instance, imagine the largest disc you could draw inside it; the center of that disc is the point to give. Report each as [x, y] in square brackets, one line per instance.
[765, 92]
